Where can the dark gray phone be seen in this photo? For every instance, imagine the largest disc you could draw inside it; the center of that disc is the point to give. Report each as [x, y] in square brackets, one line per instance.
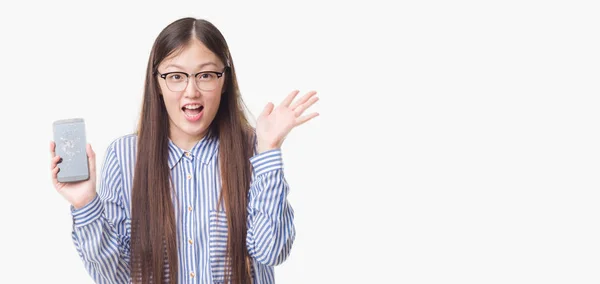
[69, 136]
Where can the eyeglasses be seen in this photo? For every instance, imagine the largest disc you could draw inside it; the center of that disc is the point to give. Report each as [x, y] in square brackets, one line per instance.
[205, 80]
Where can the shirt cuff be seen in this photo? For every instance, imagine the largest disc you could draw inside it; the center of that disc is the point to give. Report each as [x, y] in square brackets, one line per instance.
[267, 161]
[88, 213]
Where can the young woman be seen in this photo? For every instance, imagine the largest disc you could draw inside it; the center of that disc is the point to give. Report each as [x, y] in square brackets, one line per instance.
[196, 195]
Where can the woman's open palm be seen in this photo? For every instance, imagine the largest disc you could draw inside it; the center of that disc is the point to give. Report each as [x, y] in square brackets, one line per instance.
[275, 123]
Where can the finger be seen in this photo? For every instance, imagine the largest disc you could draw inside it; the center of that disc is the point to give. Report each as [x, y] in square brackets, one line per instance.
[303, 99]
[54, 161]
[267, 110]
[300, 109]
[288, 100]
[301, 120]
[91, 159]
[52, 149]
[54, 172]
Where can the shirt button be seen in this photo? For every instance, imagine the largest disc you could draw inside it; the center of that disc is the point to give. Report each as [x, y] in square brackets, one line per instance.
[189, 176]
[192, 274]
[187, 154]
[190, 241]
[190, 208]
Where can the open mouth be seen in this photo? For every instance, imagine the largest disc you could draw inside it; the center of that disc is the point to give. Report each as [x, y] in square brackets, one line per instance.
[192, 110]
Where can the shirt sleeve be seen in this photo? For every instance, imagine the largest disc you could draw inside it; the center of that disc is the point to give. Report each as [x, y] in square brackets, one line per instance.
[101, 229]
[271, 230]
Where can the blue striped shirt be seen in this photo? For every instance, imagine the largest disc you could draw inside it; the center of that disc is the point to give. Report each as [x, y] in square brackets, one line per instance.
[102, 228]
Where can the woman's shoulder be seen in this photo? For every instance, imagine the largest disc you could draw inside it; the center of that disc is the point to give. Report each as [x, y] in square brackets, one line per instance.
[124, 144]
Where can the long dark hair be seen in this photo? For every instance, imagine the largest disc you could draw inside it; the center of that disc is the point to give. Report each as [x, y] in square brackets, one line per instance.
[153, 230]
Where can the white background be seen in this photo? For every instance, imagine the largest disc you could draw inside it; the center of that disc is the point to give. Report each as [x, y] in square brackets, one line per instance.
[458, 140]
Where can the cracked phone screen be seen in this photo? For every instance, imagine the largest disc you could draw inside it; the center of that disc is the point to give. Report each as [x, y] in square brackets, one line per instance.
[70, 145]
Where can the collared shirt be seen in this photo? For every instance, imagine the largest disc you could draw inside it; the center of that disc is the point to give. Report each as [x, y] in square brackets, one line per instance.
[102, 228]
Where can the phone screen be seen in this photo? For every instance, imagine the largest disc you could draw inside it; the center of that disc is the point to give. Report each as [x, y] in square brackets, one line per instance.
[69, 136]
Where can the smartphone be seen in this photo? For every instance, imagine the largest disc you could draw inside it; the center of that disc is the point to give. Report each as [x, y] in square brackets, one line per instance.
[69, 136]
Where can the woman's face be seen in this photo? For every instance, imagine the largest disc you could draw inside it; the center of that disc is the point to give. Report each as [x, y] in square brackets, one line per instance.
[191, 103]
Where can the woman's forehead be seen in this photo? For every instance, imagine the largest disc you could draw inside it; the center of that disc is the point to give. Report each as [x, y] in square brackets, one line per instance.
[192, 55]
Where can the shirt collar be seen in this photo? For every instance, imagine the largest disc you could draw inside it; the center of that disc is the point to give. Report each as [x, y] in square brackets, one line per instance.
[204, 150]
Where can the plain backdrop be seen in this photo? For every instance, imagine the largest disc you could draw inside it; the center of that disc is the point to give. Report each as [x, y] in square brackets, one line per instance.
[458, 141]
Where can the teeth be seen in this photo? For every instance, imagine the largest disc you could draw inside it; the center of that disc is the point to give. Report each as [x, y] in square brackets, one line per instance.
[192, 106]
[191, 116]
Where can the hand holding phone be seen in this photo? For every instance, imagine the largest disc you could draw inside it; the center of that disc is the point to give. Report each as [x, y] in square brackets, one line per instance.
[73, 162]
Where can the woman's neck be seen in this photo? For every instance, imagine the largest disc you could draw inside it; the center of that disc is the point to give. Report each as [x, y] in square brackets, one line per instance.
[183, 140]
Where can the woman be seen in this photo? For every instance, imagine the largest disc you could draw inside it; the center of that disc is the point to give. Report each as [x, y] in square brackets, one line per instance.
[196, 192]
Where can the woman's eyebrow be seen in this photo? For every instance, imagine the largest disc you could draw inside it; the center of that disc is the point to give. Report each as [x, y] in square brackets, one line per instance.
[207, 63]
[199, 65]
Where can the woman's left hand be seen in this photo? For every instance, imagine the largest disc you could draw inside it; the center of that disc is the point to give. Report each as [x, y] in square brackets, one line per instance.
[274, 123]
